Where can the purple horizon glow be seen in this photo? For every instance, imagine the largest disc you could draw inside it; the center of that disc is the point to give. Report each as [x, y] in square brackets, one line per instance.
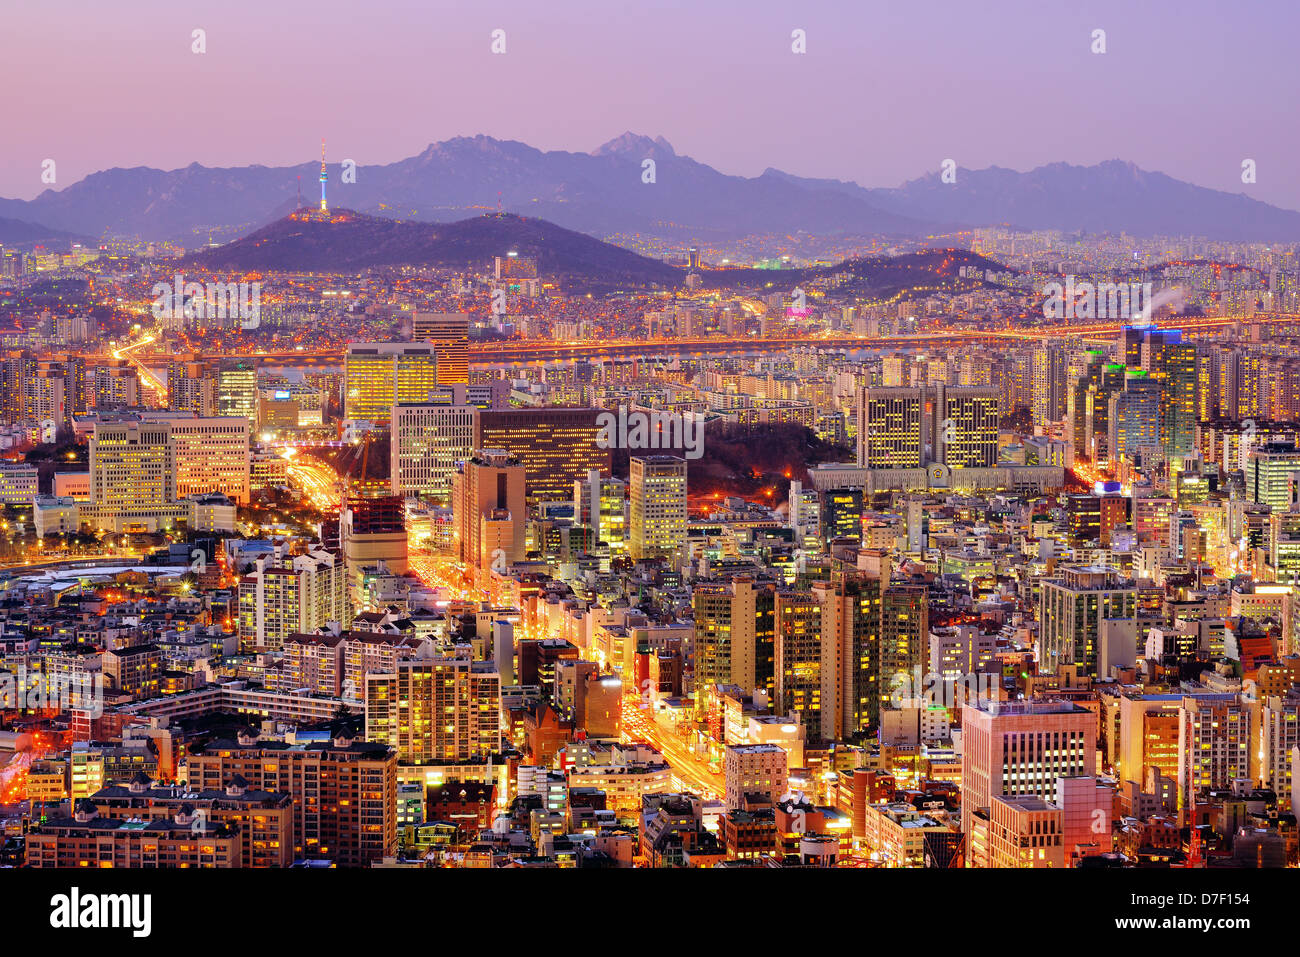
[882, 95]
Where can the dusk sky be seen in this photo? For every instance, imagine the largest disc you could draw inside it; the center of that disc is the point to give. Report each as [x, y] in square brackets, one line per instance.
[885, 92]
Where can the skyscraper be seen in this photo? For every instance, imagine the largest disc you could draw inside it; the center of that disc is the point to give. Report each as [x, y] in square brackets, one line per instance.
[449, 333]
[488, 509]
[890, 428]
[237, 388]
[657, 521]
[380, 375]
[557, 446]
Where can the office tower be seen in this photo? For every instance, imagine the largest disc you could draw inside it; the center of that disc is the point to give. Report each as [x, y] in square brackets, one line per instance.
[344, 791]
[1148, 736]
[237, 388]
[557, 446]
[427, 443]
[449, 333]
[841, 510]
[965, 429]
[436, 710]
[890, 428]
[1071, 609]
[192, 387]
[211, 455]
[1173, 363]
[1017, 748]
[734, 635]
[602, 503]
[657, 509]
[1097, 412]
[1084, 373]
[759, 770]
[1128, 348]
[379, 375]
[306, 593]
[1214, 735]
[373, 530]
[488, 510]
[132, 465]
[798, 665]
[1284, 546]
[1133, 421]
[1269, 472]
[851, 686]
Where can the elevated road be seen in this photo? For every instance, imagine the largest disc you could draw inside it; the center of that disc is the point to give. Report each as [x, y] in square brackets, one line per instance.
[497, 353]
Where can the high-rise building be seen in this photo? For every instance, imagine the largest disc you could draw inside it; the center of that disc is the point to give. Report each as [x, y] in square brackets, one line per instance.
[449, 332]
[379, 375]
[798, 665]
[1133, 421]
[965, 431]
[192, 387]
[427, 443]
[734, 635]
[1214, 737]
[1071, 610]
[891, 428]
[1015, 748]
[602, 503]
[237, 388]
[276, 601]
[436, 710]
[1269, 472]
[851, 685]
[557, 446]
[657, 513]
[488, 510]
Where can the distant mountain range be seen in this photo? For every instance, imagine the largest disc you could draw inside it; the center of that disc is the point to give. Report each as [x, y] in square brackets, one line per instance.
[347, 241]
[603, 193]
[23, 235]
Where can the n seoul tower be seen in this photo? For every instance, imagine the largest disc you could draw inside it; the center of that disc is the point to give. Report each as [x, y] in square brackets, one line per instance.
[322, 176]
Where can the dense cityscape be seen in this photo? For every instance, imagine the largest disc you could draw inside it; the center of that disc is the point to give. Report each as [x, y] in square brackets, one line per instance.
[345, 525]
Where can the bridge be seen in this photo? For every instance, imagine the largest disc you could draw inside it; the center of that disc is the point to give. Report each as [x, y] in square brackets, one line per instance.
[497, 353]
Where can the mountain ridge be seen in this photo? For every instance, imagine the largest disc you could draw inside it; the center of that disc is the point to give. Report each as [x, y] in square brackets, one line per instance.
[608, 192]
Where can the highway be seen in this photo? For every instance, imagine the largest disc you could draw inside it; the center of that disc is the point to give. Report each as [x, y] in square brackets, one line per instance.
[147, 377]
[690, 772]
[496, 353]
[318, 482]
